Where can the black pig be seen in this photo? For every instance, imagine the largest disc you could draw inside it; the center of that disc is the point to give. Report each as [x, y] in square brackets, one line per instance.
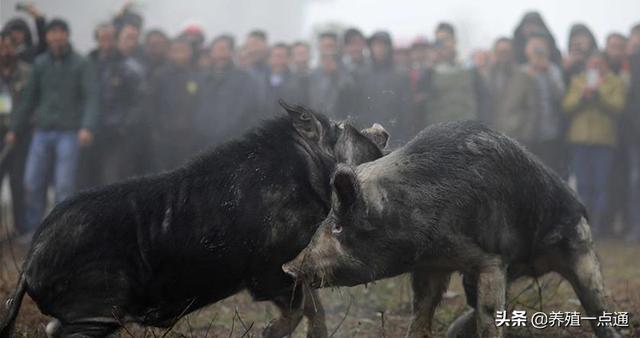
[152, 249]
[458, 197]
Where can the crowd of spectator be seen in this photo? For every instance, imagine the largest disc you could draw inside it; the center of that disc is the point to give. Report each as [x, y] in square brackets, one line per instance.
[144, 102]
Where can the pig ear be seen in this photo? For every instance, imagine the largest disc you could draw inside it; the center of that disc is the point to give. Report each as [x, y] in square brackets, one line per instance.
[353, 147]
[346, 188]
[377, 134]
[304, 120]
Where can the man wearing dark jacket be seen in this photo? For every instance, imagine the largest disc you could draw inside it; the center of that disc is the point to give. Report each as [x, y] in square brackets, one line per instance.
[385, 96]
[227, 102]
[257, 48]
[62, 91]
[354, 59]
[174, 90]
[156, 48]
[300, 72]
[109, 158]
[331, 89]
[277, 83]
[128, 42]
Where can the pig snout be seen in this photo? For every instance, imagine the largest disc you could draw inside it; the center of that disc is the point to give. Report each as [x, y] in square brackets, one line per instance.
[292, 269]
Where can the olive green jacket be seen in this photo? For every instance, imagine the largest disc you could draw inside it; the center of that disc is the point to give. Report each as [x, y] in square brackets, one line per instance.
[62, 93]
[15, 86]
[594, 121]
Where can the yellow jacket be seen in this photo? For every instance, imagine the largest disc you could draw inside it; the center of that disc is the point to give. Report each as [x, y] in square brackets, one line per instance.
[594, 121]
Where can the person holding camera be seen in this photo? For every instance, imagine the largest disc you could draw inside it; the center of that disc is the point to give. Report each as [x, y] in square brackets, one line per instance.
[594, 101]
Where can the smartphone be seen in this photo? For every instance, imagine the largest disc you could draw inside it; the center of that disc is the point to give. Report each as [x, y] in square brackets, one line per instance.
[593, 77]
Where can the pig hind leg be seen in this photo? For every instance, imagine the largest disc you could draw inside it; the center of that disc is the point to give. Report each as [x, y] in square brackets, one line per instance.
[465, 325]
[428, 287]
[581, 268]
[492, 285]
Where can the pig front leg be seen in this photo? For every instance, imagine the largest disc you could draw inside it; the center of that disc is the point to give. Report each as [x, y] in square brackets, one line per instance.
[428, 287]
[492, 284]
[580, 265]
[290, 316]
[314, 312]
[305, 303]
[585, 277]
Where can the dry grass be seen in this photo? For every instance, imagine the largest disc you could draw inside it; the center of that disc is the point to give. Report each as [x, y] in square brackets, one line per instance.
[381, 309]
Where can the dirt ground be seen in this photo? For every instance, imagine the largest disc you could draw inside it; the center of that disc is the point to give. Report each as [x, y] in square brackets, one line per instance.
[382, 309]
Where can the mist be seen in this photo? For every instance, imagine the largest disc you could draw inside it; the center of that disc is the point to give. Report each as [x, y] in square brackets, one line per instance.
[162, 159]
[478, 22]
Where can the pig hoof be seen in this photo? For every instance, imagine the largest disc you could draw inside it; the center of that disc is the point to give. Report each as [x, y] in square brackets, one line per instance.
[464, 326]
[54, 328]
[317, 332]
[280, 327]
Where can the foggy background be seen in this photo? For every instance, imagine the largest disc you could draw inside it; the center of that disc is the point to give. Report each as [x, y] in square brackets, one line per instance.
[158, 92]
[478, 22]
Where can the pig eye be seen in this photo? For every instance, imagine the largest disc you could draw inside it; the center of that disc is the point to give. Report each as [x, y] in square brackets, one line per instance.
[336, 228]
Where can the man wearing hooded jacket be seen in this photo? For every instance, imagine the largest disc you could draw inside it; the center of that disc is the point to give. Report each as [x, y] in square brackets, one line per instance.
[385, 90]
[20, 33]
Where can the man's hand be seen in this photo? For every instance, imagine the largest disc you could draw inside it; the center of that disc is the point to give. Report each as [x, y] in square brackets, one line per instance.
[10, 138]
[128, 4]
[33, 11]
[85, 137]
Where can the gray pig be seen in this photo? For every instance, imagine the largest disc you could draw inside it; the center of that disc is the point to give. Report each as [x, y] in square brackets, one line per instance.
[458, 197]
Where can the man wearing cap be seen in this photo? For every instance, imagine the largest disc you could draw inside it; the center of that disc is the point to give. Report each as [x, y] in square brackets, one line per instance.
[62, 93]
